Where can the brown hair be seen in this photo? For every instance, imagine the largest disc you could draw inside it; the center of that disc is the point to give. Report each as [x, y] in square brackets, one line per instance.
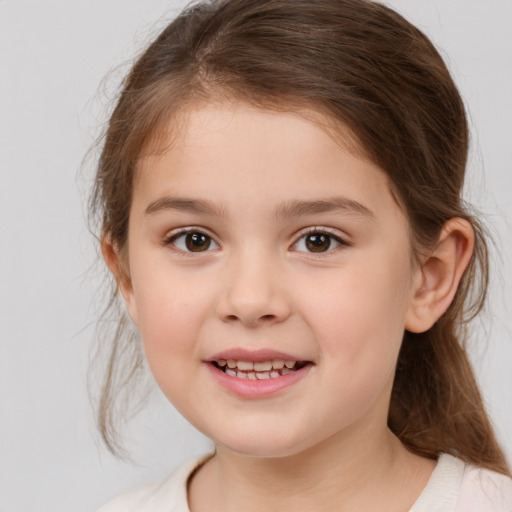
[362, 65]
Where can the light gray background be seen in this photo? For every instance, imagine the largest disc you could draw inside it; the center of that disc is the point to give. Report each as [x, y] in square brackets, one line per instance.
[53, 56]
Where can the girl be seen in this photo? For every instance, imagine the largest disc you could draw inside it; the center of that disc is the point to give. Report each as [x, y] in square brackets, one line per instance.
[280, 201]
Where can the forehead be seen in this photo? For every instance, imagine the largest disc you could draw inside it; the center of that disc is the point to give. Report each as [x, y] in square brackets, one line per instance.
[214, 115]
[232, 151]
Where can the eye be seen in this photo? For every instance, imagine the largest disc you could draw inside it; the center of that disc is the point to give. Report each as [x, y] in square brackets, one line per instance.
[192, 241]
[317, 242]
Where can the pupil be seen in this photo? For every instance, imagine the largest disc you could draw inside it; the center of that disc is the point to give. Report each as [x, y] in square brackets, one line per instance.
[197, 242]
[318, 243]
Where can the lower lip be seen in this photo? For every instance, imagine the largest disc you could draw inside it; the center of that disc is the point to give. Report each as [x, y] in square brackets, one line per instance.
[246, 388]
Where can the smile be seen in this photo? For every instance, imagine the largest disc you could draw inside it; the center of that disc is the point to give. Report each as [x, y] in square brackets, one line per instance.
[258, 370]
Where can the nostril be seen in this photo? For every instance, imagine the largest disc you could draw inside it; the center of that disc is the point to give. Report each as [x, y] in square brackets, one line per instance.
[252, 311]
[262, 318]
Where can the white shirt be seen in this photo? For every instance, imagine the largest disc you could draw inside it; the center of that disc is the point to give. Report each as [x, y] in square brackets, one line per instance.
[453, 487]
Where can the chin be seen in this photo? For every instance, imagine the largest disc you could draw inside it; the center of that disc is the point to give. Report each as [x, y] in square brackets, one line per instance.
[261, 445]
[261, 450]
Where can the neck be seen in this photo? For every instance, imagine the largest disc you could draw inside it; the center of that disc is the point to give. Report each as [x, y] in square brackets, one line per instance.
[335, 475]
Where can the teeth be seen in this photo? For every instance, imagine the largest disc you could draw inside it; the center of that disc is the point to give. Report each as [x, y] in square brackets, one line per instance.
[261, 366]
[257, 370]
[264, 366]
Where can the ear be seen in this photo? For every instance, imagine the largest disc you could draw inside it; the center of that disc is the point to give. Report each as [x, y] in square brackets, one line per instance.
[440, 274]
[117, 263]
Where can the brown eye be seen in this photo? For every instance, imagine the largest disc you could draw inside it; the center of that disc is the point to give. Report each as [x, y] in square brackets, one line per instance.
[197, 242]
[192, 241]
[318, 242]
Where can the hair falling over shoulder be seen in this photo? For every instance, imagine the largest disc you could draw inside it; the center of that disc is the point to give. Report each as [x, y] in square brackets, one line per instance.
[370, 71]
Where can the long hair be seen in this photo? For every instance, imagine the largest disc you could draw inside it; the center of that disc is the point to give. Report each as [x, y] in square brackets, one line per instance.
[366, 68]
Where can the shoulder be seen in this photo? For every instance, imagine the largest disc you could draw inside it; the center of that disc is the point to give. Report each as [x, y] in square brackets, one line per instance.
[167, 495]
[483, 490]
[459, 487]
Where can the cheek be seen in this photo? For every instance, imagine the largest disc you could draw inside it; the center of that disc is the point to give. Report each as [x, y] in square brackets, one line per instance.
[358, 323]
[169, 324]
[358, 315]
[171, 308]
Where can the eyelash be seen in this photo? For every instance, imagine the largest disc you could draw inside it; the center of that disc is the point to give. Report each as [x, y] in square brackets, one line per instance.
[319, 230]
[171, 240]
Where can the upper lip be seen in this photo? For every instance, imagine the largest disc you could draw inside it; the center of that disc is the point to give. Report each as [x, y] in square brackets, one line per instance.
[240, 354]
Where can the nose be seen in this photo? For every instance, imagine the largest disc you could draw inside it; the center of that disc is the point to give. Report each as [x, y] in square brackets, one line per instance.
[253, 292]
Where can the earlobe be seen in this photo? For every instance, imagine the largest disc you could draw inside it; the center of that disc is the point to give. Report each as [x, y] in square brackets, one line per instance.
[441, 272]
[117, 264]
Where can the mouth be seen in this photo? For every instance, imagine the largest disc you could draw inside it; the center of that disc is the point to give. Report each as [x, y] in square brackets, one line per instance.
[258, 370]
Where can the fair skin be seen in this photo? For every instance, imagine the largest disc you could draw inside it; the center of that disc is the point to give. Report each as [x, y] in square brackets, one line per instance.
[294, 250]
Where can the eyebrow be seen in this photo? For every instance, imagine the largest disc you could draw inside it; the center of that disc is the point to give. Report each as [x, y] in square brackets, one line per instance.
[182, 204]
[294, 208]
[330, 205]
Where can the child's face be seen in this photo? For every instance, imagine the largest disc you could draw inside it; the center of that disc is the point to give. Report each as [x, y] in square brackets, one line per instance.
[294, 249]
